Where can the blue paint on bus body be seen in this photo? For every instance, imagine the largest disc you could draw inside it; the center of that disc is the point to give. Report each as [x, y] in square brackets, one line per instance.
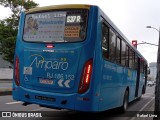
[51, 76]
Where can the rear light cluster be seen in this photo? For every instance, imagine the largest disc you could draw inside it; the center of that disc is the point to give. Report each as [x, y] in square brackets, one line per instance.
[16, 72]
[49, 46]
[86, 77]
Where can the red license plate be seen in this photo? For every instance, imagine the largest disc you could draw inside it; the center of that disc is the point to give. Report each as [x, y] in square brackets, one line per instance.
[46, 81]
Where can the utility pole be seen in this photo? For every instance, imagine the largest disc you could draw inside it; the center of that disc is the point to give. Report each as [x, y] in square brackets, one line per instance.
[157, 89]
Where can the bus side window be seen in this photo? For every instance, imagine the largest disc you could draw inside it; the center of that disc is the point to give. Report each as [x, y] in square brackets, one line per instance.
[142, 65]
[131, 57]
[105, 41]
[136, 62]
[112, 45]
[118, 51]
[123, 53]
[127, 56]
[133, 60]
[145, 69]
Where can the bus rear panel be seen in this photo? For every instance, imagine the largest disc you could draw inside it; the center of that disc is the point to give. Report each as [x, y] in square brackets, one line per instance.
[54, 58]
[74, 57]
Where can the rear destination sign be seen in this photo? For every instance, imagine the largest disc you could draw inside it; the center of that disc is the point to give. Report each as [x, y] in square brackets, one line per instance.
[71, 31]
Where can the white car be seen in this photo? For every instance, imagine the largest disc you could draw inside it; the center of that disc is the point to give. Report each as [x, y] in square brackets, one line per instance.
[150, 83]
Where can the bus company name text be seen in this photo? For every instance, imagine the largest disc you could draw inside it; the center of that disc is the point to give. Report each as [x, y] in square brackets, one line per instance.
[49, 64]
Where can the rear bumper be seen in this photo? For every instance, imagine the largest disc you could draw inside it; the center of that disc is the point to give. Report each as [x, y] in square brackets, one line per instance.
[56, 100]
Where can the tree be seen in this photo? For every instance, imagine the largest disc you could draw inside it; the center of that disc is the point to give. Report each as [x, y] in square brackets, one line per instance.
[9, 26]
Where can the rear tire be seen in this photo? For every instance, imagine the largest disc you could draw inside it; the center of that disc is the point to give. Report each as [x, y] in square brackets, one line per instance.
[125, 102]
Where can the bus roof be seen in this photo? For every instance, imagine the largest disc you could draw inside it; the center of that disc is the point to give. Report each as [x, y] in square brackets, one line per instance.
[54, 7]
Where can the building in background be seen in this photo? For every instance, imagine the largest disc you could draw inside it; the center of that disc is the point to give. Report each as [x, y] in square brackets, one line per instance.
[6, 72]
[153, 70]
[3, 63]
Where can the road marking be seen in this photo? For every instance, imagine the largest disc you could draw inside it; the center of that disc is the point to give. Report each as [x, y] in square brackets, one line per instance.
[42, 108]
[10, 103]
[146, 105]
[148, 97]
[135, 117]
[38, 109]
[148, 94]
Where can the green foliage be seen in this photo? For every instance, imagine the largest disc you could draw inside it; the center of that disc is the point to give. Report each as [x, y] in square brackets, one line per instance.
[9, 26]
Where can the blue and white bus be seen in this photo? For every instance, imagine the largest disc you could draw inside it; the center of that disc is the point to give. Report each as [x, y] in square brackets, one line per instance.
[74, 57]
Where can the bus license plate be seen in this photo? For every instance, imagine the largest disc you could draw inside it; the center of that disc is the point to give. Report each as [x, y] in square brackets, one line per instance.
[46, 81]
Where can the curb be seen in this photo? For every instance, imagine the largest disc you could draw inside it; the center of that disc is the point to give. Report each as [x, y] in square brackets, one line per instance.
[5, 79]
[5, 92]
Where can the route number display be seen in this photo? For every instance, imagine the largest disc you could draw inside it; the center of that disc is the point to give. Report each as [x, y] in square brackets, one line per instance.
[73, 19]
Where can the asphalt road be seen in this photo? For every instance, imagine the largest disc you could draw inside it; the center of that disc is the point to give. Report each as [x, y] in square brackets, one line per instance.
[146, 103]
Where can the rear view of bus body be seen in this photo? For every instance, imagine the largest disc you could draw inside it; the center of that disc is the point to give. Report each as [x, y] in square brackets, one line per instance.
[59, 61]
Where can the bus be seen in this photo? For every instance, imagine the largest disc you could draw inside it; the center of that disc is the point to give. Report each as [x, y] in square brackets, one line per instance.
[74, 57]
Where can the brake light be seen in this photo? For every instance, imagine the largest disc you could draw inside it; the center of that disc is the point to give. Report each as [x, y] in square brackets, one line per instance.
[16, 72]
[50, 46]
[86, 77]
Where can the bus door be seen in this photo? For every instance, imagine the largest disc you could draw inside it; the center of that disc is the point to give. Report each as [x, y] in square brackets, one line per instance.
[138, 78]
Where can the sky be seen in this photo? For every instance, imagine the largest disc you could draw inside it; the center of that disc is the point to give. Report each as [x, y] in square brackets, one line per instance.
[130, 16]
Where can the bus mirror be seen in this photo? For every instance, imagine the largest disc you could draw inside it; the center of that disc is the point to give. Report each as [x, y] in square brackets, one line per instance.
[148, 71]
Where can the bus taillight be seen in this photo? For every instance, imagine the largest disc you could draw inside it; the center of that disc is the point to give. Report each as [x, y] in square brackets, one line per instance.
[16, 72]
[50, 46]
[86, 77]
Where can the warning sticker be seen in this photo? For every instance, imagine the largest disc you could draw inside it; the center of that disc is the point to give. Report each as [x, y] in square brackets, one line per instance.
[27, 70]
[71, 31]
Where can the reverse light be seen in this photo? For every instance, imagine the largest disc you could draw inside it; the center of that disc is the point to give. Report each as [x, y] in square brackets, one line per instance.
[16, 72]
[86, 77]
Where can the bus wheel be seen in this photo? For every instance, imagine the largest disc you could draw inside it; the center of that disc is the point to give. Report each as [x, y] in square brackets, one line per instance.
[125, 102]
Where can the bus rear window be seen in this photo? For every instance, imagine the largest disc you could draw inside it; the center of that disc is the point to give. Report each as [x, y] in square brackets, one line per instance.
[56, 26]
